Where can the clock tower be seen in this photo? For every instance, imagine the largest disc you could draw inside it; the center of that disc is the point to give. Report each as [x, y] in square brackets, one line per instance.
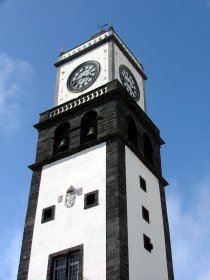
[97, 206]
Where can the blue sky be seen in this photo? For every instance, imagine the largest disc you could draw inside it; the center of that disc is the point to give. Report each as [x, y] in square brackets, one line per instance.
[172, 39]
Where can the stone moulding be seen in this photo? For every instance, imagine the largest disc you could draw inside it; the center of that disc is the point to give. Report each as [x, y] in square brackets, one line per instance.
[76, 102]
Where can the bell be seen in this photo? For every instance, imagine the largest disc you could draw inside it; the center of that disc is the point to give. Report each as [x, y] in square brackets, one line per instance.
[91, 131]
[63, 144]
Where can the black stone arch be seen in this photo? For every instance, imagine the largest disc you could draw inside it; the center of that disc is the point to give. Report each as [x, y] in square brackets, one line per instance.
[132, 130]
[88, 127]
[148, 148]
[61, 138]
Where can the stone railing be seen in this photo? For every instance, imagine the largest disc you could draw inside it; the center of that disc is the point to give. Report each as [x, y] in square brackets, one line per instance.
[78, 101]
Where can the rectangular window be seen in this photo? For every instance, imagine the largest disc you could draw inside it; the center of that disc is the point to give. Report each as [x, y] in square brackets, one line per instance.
[66, 264]
[143, 185]
[66, 267]
[147, 243]
[145, 214]
[48, 214]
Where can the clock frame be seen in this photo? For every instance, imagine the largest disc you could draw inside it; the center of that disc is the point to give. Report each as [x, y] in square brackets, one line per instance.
[129, 82]
[83, 76]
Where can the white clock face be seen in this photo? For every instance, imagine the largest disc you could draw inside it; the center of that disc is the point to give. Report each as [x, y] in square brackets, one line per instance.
[83, 76]
[129, 82]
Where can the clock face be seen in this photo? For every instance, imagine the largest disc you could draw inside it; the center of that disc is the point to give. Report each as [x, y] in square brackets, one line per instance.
[129, 82]
[83, 76]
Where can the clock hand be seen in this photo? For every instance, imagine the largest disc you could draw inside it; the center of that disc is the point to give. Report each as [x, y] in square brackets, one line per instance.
[74, 84]
[78, 80]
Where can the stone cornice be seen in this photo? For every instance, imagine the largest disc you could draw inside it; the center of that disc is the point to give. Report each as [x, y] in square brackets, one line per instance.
[117, 135]
[112, 90]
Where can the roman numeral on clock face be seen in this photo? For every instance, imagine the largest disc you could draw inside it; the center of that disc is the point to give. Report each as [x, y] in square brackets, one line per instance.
[83, 76]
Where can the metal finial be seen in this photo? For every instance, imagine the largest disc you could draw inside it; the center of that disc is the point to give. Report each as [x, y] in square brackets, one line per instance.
[110, 24]
[62, 50]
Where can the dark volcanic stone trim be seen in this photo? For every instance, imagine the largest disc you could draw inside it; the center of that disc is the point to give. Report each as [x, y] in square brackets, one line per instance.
[115, 91]
[167, 234]
[116, 212]
[111, 109]
[94, 142]
[124, 272]
[29, 227]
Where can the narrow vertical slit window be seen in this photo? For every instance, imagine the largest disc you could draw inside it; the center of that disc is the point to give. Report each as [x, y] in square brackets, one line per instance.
[143, 184]
[147, 243]
[145, 214]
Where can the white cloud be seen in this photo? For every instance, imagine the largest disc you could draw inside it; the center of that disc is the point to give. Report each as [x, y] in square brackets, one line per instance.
[10, 254]
[189, 218]
[14, 78]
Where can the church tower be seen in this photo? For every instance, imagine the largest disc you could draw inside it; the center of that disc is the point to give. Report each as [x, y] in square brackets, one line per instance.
[97, 206]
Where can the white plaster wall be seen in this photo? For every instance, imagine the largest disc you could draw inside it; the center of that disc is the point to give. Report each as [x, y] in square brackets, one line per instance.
[99, 54]
[121, 59]
[76, 225]
[143, 264]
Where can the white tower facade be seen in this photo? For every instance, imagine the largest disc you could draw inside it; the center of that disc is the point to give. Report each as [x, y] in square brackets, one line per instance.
[97, 205]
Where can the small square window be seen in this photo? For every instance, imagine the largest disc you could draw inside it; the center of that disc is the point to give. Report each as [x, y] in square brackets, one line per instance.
[147, 243]
[145, 214]
[91, 199]
[142, 184]
[48, 214]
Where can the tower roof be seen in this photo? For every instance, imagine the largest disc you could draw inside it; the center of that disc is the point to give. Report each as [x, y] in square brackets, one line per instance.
[96, 40]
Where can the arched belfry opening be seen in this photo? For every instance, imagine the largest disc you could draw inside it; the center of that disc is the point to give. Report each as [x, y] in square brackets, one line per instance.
[61, 138]
[88, 127]
[132, 131]
[148, 149]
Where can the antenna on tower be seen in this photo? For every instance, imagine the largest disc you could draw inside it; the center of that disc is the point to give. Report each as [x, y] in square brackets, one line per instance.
[62, 49]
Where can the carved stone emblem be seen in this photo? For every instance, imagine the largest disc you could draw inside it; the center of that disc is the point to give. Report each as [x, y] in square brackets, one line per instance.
[70, 197]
